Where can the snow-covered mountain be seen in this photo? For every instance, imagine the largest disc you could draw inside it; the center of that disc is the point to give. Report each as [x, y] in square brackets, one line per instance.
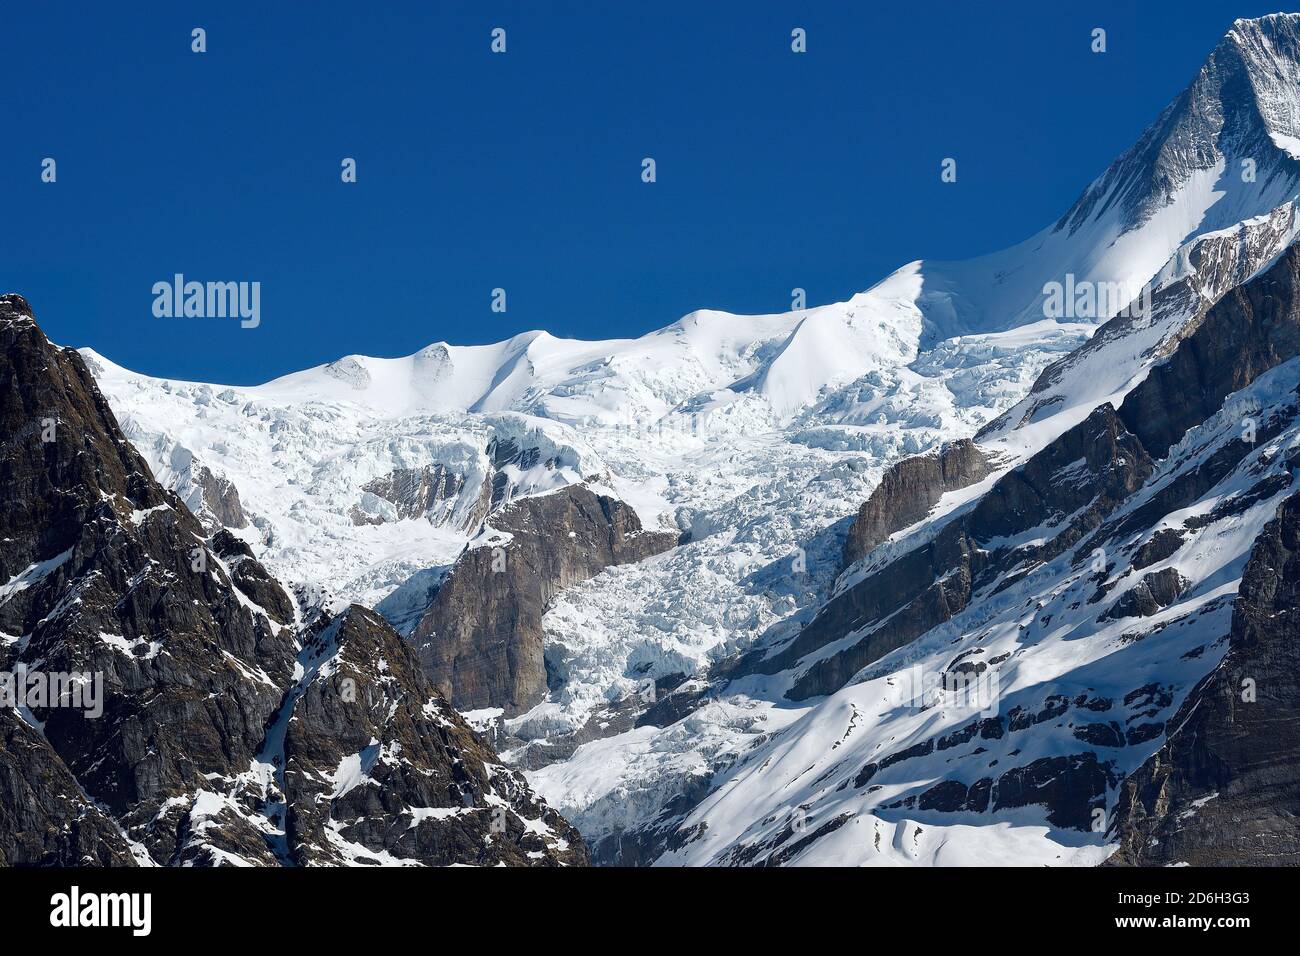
[1083, 590]
[1226, 150]
[712, 701]
[167, 703]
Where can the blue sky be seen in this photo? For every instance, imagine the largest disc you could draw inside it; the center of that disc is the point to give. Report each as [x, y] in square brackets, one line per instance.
[523, 170]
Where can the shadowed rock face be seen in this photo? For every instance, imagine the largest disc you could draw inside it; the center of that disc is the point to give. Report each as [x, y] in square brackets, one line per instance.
[379, 766]
[189, 674]
[220, 499]
[105, 574]
[909, 490]
[252, 579]
[481, 638]
[1224, 790]
[44, 819]
[1155, 591]
[1252, 329]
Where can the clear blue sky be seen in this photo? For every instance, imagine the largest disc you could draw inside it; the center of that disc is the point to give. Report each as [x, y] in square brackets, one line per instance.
[522, 170]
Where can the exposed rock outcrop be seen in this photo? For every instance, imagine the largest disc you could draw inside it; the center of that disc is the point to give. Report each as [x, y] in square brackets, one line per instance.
[45, 820]
[481, 638]
[1224, 790]
[432, 492]
[117, 582]
[221, 501]
[505, 452]
[379, 768]
[252, 579]
[1252, 329]
[1153, 592]
[907, 492]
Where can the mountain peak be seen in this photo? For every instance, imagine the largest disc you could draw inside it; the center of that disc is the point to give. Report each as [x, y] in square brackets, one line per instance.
[12, 305]
[1237, 126]
[1268, 50]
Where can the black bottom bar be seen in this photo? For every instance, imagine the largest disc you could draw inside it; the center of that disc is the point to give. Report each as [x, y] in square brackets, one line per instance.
[257, 906]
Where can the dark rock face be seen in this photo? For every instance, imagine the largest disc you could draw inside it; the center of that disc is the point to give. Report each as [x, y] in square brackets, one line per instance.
[378, 767]
[108, 580]
[1083, 474]
[1155, 591]
[44, 819]
[907, 492]
[1160, 546]
[1254, 328]
[1070, 788]
[907, 599]
[221, 503]
[481, 638]
[120, 585]
[1225, 787]
[252, 579]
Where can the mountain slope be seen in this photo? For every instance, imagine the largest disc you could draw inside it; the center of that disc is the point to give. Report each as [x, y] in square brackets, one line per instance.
[1184, 177]
[378, 768]
[1079, 596]
[1225, 787]
[1181, 211]
[169, 711]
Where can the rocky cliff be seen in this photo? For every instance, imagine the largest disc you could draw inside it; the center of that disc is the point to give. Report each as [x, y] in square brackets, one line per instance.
[378, 767]
[1253, 328]
[1224, 789]
[481, 637]
[159, 679]
[908, 490]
